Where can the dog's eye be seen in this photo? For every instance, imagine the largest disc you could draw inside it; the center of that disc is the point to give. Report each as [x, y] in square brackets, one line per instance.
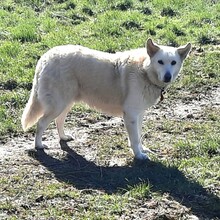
[173, 63]
[160, 62]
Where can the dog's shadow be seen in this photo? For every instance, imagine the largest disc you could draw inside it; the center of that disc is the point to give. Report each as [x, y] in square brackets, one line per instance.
[83, 174]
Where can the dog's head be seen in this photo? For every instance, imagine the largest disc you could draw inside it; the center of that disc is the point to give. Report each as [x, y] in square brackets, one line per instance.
[165, 61]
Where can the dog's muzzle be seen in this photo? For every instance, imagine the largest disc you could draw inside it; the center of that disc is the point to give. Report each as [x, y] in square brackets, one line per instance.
[167, 77]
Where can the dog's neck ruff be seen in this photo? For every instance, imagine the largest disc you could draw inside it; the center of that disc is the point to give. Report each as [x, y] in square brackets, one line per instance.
[162, 89]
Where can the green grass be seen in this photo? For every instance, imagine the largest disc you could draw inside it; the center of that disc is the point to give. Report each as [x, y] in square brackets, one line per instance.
[27, 30]
[185, 168]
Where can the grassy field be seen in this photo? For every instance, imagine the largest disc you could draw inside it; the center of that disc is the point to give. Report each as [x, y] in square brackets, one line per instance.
[95, 177]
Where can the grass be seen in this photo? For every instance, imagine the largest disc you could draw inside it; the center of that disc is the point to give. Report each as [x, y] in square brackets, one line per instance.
[29, 29]
[183, 177]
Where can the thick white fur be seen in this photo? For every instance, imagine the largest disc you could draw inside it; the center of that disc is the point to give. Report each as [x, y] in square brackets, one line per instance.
[124, 83]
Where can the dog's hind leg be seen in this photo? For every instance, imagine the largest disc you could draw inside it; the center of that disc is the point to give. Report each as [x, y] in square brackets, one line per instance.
[60, 124]
[52, 110]
[42, 124]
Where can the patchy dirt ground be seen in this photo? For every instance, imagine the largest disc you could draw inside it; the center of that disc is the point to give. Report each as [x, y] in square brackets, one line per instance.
[192, 107]
[81, 164]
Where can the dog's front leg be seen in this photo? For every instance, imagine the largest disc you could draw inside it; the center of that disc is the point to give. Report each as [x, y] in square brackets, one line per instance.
[132, 123]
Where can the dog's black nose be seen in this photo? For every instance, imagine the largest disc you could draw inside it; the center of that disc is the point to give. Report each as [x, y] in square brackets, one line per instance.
[167, 77]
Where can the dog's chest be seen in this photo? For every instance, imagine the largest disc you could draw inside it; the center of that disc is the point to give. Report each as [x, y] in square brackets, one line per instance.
[151, 96]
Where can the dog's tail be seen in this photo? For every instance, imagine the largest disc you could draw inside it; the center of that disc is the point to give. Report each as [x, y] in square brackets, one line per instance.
[33, 110]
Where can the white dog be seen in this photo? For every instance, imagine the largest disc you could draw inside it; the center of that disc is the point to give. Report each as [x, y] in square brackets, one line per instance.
[124, 83]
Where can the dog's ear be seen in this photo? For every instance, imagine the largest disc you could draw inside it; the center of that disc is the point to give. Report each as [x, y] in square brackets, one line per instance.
[152, 48]
[183, 51]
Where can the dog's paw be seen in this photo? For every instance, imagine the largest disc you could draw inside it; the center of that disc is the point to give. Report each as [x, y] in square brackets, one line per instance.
[41, 147]
[141, 156]
[66, 138]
